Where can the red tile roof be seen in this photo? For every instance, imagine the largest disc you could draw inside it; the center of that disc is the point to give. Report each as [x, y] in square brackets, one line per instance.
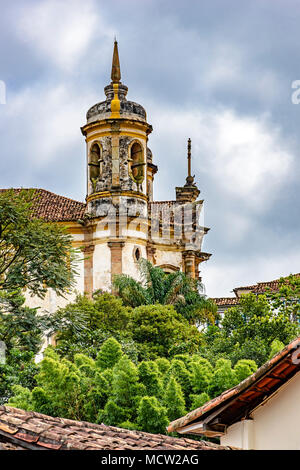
[261, 287]
[226, 301]
[272, 285]
[55, 208]
[21, 429]
[237, 402]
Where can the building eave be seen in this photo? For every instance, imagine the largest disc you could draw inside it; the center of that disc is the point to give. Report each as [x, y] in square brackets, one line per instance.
[237, 402]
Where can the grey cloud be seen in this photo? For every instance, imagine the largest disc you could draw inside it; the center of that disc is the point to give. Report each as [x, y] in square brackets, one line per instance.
[175, 57]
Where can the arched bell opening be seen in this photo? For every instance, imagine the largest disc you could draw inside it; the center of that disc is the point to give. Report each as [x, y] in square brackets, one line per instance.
[95, 162]
[136, 163]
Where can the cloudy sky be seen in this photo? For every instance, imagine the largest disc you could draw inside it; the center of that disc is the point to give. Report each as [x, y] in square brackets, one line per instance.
[219, 72]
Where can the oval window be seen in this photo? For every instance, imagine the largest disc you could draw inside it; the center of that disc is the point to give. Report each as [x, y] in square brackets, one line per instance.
[137, 254]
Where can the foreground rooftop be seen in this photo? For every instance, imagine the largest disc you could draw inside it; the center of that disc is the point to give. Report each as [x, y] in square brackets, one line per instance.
[28, 430]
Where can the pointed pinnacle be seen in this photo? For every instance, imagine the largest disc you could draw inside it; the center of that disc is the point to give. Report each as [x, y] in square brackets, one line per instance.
[190, 178]
[115, 69]
[189, 157]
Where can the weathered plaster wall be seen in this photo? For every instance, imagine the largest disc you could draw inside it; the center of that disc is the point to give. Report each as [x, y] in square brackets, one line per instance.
[111, 206]
[52, 302]
[168, 257]
[102, 267]
[130, 266]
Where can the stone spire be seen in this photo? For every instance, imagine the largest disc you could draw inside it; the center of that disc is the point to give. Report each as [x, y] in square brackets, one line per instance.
[115, 69]
[190, 178]
[189, 192]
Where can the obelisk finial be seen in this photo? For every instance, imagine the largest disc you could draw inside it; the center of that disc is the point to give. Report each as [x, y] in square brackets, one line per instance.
[190, 178]
[115, 69]
[189, 157]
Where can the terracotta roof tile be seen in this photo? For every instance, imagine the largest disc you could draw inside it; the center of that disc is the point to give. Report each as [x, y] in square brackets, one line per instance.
[55, 208]
[37, 431]
[224, 301]
[261, 287]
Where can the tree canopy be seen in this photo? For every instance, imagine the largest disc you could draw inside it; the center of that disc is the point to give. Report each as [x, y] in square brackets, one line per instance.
[145, 395]
[252, 329]
[158, 287]
[34, 254]
[145, 332]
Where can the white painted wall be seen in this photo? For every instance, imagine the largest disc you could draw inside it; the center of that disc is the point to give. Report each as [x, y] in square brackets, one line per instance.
[101, 266]
[52, 301]
[168, 257]
[275, 424]
[129, 265]
[240, 435]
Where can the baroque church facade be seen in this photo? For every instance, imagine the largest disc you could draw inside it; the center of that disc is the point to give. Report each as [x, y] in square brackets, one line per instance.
[120, 223]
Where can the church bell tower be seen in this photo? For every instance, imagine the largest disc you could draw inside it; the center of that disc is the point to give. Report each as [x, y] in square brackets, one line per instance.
[116, 135]
[119, 172]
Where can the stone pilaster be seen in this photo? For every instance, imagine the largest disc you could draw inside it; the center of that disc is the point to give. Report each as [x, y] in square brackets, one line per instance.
[116, 257]
[88, 251]
[151, 253]
[115, 178]
[189, 263]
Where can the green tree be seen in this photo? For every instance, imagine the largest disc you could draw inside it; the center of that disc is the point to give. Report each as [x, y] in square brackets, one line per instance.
[224, 377]
[34, 254]
[22, 398]
[174, 400]
[199, 400]
[21, 330]
[62, 389]
[83, 325]
[126, 389]
[110, 353]
[243, 368]
[176, 289]
[151, 378]
[145, 333]
[286, 300]
[163, 365]
[275, 347]
[182, 375]
[21, 327]
[152, 417]
[248, 330]
[201, 376]
[157, 328]
[120, 396]
[19, 369]
[113, 414]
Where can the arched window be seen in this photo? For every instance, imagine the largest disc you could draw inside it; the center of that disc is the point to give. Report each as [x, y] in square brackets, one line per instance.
[169, 268]
[94, 161]
[137, 163]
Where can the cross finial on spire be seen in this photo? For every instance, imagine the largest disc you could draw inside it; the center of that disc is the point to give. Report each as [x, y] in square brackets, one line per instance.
[115, 69]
